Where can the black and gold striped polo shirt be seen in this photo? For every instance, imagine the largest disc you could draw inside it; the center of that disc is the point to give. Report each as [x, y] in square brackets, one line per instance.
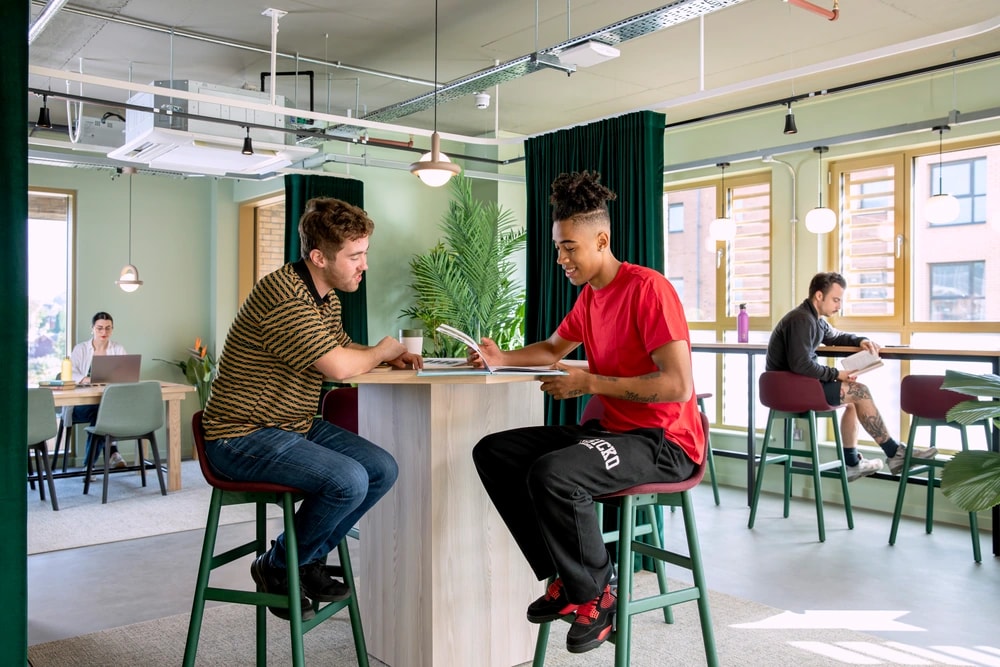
[265, 372]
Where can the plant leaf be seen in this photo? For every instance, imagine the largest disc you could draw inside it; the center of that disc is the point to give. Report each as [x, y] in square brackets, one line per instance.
[986, 385]
[971, 480]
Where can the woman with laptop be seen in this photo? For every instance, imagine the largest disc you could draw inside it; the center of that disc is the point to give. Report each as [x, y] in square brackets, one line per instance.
[82, 357]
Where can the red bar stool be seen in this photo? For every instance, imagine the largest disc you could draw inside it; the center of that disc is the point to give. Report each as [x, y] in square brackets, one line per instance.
[340, 407]
[225, 492]
[927, 403]
[792, 396]
[647, 497]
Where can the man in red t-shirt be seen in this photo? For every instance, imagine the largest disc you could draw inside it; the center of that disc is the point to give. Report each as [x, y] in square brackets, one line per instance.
[543, 479]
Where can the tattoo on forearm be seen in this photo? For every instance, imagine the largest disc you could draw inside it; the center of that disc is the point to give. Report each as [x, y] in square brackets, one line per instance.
[639, 398]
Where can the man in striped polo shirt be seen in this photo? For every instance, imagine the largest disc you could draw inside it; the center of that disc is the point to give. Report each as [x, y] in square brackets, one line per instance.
[260, 423]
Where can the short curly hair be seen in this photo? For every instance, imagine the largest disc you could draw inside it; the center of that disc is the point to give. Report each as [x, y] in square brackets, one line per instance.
[327, 223]
[580, 195]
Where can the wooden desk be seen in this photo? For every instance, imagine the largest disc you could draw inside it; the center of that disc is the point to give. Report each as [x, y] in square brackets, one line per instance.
[751, 350]
[173, 394]
[442, 581]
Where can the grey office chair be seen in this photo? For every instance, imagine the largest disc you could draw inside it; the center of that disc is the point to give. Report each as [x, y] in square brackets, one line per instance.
[129, 411]
[42, 427]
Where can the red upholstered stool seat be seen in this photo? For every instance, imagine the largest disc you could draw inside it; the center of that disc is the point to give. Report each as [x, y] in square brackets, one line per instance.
[226, 492]
[791, 396]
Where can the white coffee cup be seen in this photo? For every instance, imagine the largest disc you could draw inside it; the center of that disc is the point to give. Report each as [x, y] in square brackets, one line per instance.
[412, 339]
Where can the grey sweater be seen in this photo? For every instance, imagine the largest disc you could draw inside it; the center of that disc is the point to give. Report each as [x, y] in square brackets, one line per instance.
[793, 343]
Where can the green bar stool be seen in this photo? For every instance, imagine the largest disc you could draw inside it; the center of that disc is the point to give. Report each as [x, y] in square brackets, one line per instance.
[708, 447]
[791, 396]
[927, 403]
[225, 492]
[647, 497]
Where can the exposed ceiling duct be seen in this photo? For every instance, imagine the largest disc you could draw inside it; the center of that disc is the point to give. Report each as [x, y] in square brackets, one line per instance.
[614, 34]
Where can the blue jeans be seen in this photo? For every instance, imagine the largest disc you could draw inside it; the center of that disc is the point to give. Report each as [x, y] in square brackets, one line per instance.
[341, 474]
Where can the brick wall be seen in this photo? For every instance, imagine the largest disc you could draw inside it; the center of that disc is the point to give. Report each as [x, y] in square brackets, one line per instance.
[270, 238]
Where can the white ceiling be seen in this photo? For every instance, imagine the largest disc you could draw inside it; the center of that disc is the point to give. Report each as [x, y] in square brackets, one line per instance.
[755, 52]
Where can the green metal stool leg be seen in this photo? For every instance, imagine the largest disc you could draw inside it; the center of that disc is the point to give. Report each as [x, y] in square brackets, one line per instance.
[698, 575]
[360, 647]
[709, 454]
[658, 565]
[623, 620]
[838, 439]
[292, 569]
[788, 423]
[261, 611]
[818, 491]
[904, 475]
[760, 470]
[541, 644]
[204, 568]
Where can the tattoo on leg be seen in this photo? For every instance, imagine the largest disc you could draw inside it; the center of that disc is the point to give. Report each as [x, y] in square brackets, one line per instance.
[875, 427]
[857, 391]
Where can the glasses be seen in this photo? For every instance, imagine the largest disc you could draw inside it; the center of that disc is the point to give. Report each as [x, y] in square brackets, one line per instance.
[103, 329]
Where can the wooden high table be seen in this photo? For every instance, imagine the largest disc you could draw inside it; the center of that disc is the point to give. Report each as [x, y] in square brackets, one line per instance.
[173, 394]
[442, 581]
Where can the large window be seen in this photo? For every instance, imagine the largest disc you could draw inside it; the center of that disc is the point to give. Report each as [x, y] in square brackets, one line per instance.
[966, 181]
[50, 266]
[957, 291]
[714, 278]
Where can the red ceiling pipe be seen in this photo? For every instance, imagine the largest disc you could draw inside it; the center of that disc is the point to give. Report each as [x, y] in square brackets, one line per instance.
[831, 14]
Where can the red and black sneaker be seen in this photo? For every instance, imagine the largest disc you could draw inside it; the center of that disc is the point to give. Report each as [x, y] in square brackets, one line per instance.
[552, 605]
[593, 623]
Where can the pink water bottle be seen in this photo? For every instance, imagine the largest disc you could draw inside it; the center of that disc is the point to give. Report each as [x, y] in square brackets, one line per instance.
[743, 325]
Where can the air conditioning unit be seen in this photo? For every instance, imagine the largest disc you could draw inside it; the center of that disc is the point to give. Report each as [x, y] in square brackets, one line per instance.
[198, 145]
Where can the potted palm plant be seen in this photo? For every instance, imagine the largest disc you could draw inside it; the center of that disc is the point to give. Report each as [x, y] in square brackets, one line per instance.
[971, 480]
[467, 279]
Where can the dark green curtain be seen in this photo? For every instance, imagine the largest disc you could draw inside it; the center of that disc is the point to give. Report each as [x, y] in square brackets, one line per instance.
[14, 287]
[628, 153]
[299, 189]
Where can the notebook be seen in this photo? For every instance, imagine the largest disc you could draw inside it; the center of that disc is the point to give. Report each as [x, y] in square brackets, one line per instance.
[115, 368]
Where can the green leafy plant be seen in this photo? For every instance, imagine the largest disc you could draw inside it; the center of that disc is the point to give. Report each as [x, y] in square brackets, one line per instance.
[199, 369]
[466, 280]
[971, 480]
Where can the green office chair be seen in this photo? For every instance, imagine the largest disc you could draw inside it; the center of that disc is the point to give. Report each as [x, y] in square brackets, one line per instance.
[42, 427]
[791, 396]
[129, 411]
[226, 492]
[927, 403]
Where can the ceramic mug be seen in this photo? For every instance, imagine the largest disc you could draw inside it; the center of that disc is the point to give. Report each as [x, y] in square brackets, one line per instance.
[413, 339]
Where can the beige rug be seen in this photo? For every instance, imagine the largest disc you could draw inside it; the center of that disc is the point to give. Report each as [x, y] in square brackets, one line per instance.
[132, 511]
[227, 640]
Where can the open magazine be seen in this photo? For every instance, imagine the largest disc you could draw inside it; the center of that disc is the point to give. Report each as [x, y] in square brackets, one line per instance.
[449, 365]
[861, 362]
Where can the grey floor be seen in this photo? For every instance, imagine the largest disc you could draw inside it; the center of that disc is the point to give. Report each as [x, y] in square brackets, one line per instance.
[928, 581]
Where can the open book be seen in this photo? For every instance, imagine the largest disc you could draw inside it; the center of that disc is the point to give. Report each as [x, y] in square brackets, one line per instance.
[861, 362]
[449, 365]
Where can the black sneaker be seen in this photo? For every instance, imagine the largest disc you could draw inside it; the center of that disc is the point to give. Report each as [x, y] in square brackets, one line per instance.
[593, 623]
[552, 605]
[320, 586]
[273, 580]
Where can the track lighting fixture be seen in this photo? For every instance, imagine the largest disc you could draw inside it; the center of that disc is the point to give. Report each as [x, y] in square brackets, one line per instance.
[790, 121]
[435, 168]
[941, 208]
[821, 220]
[44, 120]
[247, 143]
[723, 228]
[128, 280]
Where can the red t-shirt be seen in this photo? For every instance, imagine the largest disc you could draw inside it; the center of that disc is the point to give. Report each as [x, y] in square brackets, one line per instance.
[619, 326]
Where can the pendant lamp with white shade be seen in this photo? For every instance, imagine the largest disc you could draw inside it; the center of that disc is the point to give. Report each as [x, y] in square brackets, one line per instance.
[821, 220]
[723, 228]
[941, 208]
[435, 168]
[128, 280]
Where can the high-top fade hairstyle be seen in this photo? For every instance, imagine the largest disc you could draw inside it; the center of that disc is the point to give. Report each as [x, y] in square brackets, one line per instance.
[580, 196]
[822, 282]
[328, 223]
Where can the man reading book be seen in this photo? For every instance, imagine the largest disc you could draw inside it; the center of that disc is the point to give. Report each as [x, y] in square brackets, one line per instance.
[792, 347]
[543, 479]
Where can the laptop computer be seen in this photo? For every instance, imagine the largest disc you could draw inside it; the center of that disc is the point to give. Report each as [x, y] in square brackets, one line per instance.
[107, 369]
